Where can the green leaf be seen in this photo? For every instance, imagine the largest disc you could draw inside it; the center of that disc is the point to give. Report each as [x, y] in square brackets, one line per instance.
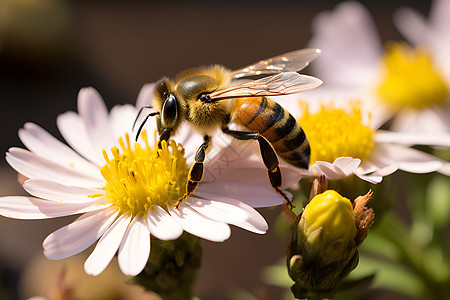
[389, 275]
[438, 200]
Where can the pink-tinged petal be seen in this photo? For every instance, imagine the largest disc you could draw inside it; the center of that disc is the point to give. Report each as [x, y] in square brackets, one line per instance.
[18, 207]
[350, 44]
[411, 25]
[50, 190]
[374, 179]
[145, 96]
[43, 144]
[107, 246]
[439, 12]
[445, 169]
[412, 160]
[79, 235]
[253, 221]
[327, 169]
[262, 195]
[219, 210]
[347, 165]
[436, 139]
[162, 225]
[198, 225]
[73, 129]
[121, 120]
[34, 167]
[366, 167]
[96, 119]
[135, 247]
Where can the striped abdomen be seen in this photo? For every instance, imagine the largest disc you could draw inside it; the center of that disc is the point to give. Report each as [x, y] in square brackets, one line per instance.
[268, 118]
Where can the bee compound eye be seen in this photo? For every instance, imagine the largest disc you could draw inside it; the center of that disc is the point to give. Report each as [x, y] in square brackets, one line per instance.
[169, 111]
[206, 98]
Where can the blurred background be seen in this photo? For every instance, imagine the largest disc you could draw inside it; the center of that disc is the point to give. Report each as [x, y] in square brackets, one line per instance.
[49, 49]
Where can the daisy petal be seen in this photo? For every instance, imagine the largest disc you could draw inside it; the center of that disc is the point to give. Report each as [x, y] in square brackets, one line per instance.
[437, 139]
[253, 221]
[72, 128]
[198, 225]
[219, 210]
[135, 247]
[79, 235]
[18, 207]
[145, 95]
[43, 144]
[412, 160]
[162, 225]
[121, 120]
[50, 190]
[374, 179]
[347, 165]
[95, 115]
[107, 246]
[411, 25]
[34, 167]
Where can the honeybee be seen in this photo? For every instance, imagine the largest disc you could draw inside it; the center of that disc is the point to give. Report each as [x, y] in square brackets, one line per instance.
[209, 98]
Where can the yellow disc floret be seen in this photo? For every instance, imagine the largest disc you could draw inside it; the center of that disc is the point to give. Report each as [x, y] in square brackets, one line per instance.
[140, 178]
[334, 133]
[410, 79]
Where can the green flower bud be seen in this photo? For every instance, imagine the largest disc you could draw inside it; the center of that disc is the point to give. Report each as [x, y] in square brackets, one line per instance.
[323, 244]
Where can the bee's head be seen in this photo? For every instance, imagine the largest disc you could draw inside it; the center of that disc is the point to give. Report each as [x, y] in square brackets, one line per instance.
[167, 104]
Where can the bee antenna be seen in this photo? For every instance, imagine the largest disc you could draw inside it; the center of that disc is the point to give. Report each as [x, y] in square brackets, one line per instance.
[139, 113]
[145, 120]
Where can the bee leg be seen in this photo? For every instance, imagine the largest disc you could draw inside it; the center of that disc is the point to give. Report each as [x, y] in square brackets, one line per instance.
[269, 157]
[195, 174]
[164, 136]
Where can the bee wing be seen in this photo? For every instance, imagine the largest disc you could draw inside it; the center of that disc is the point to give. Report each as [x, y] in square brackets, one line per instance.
[289, 62]
[274, 85]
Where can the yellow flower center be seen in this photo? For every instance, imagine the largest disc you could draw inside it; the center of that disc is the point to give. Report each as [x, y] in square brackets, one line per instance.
[334, 133]
[140, 178]
[410, 79]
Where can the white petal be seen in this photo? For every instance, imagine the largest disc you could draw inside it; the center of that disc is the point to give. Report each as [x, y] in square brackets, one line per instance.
[219, 210]
[46, 146]
[436, 139]
[196, 224]
[145, 96]
[18, 207]
[135, 247]
[162, 225]
[95, 115]
[34, 167]
[350, 44]
[253, 221]
[411, 25]
[107, 246]
[327, 169]
[78, 235]
[121, 120]
[262, 195]
[445, 169]
[374, 179]
[50, 190]
[412, 160]
[74, 131]
[347, 165]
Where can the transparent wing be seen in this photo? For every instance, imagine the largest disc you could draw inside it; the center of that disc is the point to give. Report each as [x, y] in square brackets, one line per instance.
[289, 62]
[274, 85]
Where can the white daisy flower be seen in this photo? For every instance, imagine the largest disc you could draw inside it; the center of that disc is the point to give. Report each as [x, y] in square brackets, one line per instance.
[125, 192]
[410, 85]
[344, 141]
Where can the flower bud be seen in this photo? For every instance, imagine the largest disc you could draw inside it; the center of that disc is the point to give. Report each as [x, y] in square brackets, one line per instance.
[323, 245]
